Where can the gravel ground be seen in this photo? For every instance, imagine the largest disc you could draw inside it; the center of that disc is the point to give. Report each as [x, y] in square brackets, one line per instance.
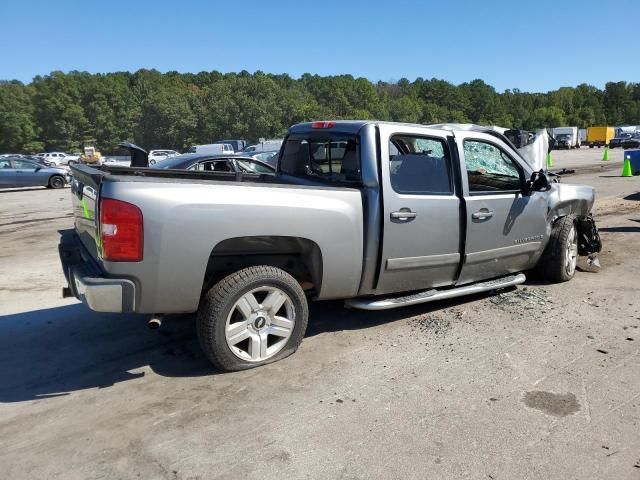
[541, 381]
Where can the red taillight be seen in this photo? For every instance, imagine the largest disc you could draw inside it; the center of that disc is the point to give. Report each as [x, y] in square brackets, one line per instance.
[323, 124]
[121, 231]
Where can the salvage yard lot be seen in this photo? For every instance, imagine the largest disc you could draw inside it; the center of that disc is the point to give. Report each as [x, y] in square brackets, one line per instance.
[539, 382]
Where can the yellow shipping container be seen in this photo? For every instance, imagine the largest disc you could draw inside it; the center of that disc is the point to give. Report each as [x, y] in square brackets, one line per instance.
[599, 136]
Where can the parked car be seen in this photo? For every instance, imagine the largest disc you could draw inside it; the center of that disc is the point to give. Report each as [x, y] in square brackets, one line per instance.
[380, 214]
[215, 163]
[58, 158]
[619, 140]
[20, 172]
[632, 141]
[213, 149]
[159, 155]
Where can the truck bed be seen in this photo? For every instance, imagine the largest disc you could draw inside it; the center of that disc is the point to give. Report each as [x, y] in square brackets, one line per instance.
[188, 214]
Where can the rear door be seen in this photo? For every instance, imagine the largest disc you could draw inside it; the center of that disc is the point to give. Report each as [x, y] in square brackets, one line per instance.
[505, 229]
[421, 223]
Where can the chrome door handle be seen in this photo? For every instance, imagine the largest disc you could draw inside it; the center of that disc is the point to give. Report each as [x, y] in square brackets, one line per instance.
[482, 214]
[403, 215]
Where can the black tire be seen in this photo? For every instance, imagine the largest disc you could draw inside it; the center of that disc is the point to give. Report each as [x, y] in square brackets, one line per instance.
[552, 265]
[56, 181]
[218, 302]
[71, 162]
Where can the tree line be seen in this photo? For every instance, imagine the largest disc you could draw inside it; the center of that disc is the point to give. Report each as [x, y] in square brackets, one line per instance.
[61, 111]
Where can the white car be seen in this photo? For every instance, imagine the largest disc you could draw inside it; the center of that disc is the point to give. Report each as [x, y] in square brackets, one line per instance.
[157, 155]
[59, 158]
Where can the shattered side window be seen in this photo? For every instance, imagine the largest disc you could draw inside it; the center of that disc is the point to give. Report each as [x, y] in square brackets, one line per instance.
[489, 168]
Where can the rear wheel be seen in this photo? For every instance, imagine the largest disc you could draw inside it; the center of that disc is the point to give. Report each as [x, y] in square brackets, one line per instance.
[559, 259]
[56, 182]
[252, 317]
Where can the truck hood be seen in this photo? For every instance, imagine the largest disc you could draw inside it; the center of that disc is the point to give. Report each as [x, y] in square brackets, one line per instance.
[536, 152]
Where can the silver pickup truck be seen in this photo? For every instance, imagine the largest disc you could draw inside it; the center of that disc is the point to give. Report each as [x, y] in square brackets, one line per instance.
[379, 214]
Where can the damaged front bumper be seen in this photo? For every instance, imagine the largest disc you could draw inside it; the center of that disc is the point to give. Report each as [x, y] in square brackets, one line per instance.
[589, 243]
[588, 237]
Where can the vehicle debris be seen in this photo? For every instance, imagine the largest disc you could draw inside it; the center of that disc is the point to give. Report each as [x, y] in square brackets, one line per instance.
[523, 295]
[532, 303]
[431, 324]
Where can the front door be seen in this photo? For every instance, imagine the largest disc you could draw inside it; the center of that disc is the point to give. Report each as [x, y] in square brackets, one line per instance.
[505, 229]
[7, 173]
[27, 173]
[421, 222]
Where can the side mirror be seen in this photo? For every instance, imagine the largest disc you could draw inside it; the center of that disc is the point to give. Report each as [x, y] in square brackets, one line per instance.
[38, 168]
[537, 183]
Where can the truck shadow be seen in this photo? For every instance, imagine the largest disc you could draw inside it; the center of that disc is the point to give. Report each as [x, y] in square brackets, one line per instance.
[57, 351]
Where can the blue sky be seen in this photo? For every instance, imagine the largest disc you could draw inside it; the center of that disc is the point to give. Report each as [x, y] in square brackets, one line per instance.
[559, 43]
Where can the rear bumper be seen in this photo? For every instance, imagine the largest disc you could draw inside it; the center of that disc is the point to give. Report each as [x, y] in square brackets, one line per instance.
[88, 283]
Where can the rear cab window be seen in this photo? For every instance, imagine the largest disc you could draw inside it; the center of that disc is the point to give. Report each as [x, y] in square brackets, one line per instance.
[329, 157]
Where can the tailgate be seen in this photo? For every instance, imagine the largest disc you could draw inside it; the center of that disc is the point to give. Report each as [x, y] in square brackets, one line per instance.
[85, 188]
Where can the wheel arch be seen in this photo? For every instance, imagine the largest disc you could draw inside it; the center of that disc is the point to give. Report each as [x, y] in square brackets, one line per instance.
[298, 256]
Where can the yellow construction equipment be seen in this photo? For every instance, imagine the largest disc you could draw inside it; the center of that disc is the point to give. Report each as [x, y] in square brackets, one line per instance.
[90, 155]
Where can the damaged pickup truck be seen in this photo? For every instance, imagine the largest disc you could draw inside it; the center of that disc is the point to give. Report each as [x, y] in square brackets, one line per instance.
[379, 214]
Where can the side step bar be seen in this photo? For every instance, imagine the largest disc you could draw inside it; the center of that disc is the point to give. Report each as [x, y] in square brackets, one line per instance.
[433, 295]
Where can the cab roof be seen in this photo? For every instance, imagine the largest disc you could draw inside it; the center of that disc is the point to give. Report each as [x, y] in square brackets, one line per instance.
[354, 126]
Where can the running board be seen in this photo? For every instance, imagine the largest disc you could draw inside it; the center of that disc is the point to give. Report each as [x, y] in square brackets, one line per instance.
[433, 295]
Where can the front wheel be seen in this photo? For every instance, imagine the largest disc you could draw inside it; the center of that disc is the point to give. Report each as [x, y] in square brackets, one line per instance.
[560, 257]
[56, 182]
[252, 317]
